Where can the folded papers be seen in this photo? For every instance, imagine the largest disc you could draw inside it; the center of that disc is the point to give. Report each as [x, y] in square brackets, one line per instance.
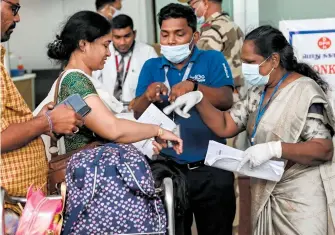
[228, 158]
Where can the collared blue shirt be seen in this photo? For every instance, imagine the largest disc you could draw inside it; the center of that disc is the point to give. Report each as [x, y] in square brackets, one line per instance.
[211, 69]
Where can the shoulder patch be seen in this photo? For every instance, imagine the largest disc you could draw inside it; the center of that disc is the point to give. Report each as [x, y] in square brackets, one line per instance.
[206, 25]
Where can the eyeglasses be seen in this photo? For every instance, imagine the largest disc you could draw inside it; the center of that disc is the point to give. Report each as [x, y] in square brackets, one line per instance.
[15, 7]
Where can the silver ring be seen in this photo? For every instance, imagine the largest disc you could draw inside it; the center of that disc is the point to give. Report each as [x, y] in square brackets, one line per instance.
[75, 132]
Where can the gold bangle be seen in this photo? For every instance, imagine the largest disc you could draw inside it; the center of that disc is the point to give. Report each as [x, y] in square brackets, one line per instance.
[160, 132]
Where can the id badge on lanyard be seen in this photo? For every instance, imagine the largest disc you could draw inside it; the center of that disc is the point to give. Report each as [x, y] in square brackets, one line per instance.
[176, 130]
[117, 65]
[186, 74]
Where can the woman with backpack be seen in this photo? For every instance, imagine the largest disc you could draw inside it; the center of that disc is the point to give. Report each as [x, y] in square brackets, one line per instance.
[110, 189]
[83, 47]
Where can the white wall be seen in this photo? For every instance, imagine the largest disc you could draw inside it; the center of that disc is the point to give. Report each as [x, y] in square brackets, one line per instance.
[41, 20]
[273, 11]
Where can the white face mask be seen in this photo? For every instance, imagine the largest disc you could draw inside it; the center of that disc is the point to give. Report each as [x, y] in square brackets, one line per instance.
[176, 54]
[252, 76]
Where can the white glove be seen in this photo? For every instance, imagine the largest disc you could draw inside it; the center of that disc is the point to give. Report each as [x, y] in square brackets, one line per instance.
[189, 100]
[260, 153]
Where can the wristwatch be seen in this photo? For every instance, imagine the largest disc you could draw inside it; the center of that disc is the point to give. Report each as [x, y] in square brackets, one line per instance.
[195, 83]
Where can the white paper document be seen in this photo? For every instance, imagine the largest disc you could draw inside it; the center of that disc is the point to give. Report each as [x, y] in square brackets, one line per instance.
[152, 115]
[228, 158]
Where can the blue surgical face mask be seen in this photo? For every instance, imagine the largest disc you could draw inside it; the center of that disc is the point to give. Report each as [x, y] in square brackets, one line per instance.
[252, 76]
[200, 19]
[177, 54]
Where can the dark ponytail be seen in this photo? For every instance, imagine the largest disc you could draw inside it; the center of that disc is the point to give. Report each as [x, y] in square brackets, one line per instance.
[83, 25]
[307, 71]
[269, 40]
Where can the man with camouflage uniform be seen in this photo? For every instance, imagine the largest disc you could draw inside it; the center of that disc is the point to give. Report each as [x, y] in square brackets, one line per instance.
[219, 33]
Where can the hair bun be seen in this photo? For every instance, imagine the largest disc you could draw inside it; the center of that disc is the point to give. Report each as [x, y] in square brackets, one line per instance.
[56, 50]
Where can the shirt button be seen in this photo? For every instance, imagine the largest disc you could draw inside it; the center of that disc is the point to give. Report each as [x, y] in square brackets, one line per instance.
[179, 74]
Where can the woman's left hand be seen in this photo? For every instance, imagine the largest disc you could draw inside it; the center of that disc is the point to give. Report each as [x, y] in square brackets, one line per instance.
[260, 153]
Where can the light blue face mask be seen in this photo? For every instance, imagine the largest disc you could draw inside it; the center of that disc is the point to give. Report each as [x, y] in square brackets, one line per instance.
[176, 54]
[200, 19]
[252, 76]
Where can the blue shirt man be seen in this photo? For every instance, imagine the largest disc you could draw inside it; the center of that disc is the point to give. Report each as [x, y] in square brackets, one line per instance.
[183, 69]
[211, 69]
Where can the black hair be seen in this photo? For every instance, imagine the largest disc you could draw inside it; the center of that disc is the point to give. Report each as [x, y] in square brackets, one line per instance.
[101, 3]
[122, 22]
[216, 1]
[269, 40]
[83, 25]
[174, 10]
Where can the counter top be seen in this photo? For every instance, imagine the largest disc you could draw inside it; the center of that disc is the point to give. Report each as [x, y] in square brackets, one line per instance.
[24, 77]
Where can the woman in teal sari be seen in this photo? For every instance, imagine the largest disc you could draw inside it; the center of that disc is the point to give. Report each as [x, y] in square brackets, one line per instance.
[288, 118]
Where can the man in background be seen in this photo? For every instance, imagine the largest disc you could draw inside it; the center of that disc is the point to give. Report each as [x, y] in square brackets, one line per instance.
[219, 33]
[123, 67]
[108, 8]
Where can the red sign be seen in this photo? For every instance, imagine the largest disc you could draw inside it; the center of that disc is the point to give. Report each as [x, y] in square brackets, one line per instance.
[325, 68]
[324, 43]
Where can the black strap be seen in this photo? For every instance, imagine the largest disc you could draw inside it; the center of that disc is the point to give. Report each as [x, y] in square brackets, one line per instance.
[316, 108]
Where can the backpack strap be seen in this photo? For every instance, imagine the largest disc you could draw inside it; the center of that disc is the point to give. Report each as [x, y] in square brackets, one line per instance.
[76, 212]
[53, 142]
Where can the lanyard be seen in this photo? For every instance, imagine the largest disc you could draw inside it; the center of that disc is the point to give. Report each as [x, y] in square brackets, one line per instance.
[186, 74]
[128, 64]
[167, 84]
[261, 110]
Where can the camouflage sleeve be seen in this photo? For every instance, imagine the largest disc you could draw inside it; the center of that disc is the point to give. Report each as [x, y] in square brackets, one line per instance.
[240, 113]
[228, 38]
[210, 39]
[233, 41]
[314, 127]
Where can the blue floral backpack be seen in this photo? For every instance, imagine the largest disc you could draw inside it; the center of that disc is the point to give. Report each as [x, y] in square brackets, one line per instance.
[111, 191]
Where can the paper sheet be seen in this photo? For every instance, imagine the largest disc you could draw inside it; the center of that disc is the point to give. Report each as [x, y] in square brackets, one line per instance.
[228, 158]
[152, 115]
